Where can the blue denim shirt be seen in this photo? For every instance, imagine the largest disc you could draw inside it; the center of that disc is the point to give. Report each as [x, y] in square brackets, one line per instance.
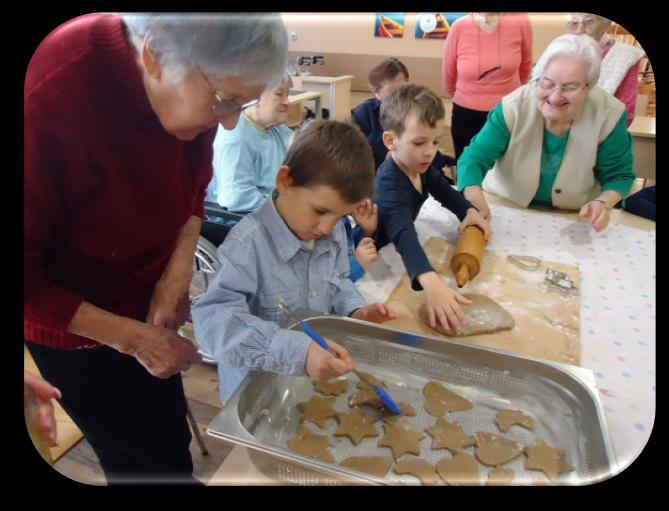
[262, 264]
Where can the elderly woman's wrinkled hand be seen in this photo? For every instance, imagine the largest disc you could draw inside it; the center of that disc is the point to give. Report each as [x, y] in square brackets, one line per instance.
[476, 218]
[161, 351]
[596, 213]
[474, 194]
[40, 416]
[169, 308]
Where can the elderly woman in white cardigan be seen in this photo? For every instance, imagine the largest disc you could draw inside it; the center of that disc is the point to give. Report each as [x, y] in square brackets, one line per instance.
[559, 140]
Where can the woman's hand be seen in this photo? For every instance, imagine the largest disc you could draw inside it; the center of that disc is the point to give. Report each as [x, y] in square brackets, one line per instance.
[474, 194]
[366, 252]
[169, 307]
[323, 365]
[366, 216]
[40, 416]
[597, 213]
[474, 217]
[443, 303]
[375, 312]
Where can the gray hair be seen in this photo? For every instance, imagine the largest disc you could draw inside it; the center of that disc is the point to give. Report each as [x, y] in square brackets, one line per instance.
[581, 45]
[252, 47]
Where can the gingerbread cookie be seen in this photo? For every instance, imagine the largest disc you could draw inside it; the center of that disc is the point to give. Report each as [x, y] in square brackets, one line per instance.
[500, 476]
[449, 435]
[356, 425]
[310, 444]
[460, 469]
[317, 410]
[547, 459]
[401, 440]
[493, 450]
[331, 387]
[391, 418]
[417, 467]
[376, 465]
[373, 379]
[507, 418]
[439, 400]
[367, 397]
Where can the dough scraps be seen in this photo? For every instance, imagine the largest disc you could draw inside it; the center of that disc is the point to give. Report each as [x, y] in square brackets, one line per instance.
[493, 450]
[310, 444]
[317, 410]
[500, 476]
[331, 387]
[375, 465]
[547, 459]
[449, 435]
[417, 467]
[356, 425]
[401, 440]
[439, 400]
[507, 418]
[484, 316]
[462, 468]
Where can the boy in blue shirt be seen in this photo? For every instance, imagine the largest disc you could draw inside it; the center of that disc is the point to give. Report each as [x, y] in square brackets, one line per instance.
[413, 120]
[291, 251]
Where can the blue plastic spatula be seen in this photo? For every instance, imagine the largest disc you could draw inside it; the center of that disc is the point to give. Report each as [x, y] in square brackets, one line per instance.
[385, 397]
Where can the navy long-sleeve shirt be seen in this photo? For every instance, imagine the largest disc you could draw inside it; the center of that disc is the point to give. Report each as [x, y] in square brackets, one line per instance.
[399, 204]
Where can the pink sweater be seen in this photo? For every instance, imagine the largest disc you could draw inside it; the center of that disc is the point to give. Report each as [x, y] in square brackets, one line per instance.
[628, 88]
[468, 52]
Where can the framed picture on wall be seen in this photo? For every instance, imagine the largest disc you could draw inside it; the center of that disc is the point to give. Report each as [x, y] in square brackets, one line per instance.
[435, 25]
[389, 24]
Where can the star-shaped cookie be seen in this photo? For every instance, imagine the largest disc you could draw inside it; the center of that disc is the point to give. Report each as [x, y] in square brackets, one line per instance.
[331, 387]
[449, 435]
[317, 410]
[401, 440]
[373, 379]
[356, 425]
[547, 459]
[310, 444]
[439, 400]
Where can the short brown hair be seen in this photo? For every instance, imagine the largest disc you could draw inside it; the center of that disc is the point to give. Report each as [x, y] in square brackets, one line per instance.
[335, 154]
[408, 98]
[385, 72]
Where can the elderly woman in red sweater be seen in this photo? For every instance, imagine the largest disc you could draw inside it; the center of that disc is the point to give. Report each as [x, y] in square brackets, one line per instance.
[120, 113]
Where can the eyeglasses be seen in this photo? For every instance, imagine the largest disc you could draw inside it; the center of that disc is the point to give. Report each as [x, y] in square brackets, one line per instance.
[222, 107]
[588, 21]
[549, 86]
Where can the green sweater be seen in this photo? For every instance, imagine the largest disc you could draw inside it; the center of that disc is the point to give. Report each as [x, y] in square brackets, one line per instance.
[614, 168]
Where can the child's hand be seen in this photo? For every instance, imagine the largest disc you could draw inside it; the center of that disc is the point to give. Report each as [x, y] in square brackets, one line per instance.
[476, 218]
[375, 312]
[366, 252]
[596, 213]
[323, 365]
[366, 216]
[443, 306]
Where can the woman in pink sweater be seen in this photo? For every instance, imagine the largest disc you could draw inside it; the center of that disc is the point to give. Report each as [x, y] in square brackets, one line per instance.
[487, 55]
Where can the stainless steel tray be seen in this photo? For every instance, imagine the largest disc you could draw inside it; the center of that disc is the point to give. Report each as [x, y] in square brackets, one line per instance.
[262, 413]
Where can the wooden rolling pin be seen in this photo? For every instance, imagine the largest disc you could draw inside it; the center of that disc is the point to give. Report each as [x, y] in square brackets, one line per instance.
[466, 261]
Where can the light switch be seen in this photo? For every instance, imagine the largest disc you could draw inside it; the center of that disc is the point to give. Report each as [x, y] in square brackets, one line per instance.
[293, 36]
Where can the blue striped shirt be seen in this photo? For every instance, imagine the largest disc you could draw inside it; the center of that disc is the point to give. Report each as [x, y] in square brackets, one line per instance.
[262, 264]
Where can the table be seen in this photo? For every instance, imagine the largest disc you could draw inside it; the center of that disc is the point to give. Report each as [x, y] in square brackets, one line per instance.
[336, 93]
[642, 130]
[617, 288]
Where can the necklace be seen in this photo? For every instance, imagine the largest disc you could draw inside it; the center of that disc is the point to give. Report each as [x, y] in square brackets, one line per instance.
[498, 67]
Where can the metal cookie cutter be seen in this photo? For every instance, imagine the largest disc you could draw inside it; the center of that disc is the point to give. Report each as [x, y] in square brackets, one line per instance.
[559, 280]
[529, 263]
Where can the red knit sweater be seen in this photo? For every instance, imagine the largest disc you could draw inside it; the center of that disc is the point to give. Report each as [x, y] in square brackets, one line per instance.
[106, 188]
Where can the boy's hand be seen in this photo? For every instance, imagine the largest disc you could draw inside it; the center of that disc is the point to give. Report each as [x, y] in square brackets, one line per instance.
[375, 312]
[323, 365]
[366, 216]
[597, 213]
[443, 303]
[474, 217]
[366, 252]
[474, 194]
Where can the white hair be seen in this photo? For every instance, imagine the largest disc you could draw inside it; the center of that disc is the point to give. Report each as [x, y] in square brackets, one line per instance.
[582, 46]
[252, 47]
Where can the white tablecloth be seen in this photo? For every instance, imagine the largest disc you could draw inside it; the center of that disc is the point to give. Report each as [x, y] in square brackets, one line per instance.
[617, 289]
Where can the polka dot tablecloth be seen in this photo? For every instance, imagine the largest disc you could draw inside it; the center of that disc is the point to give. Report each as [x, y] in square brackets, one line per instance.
[617, 290]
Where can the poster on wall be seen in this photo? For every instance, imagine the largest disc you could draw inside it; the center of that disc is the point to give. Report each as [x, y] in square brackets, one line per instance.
[435, 25]
[389, 24]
